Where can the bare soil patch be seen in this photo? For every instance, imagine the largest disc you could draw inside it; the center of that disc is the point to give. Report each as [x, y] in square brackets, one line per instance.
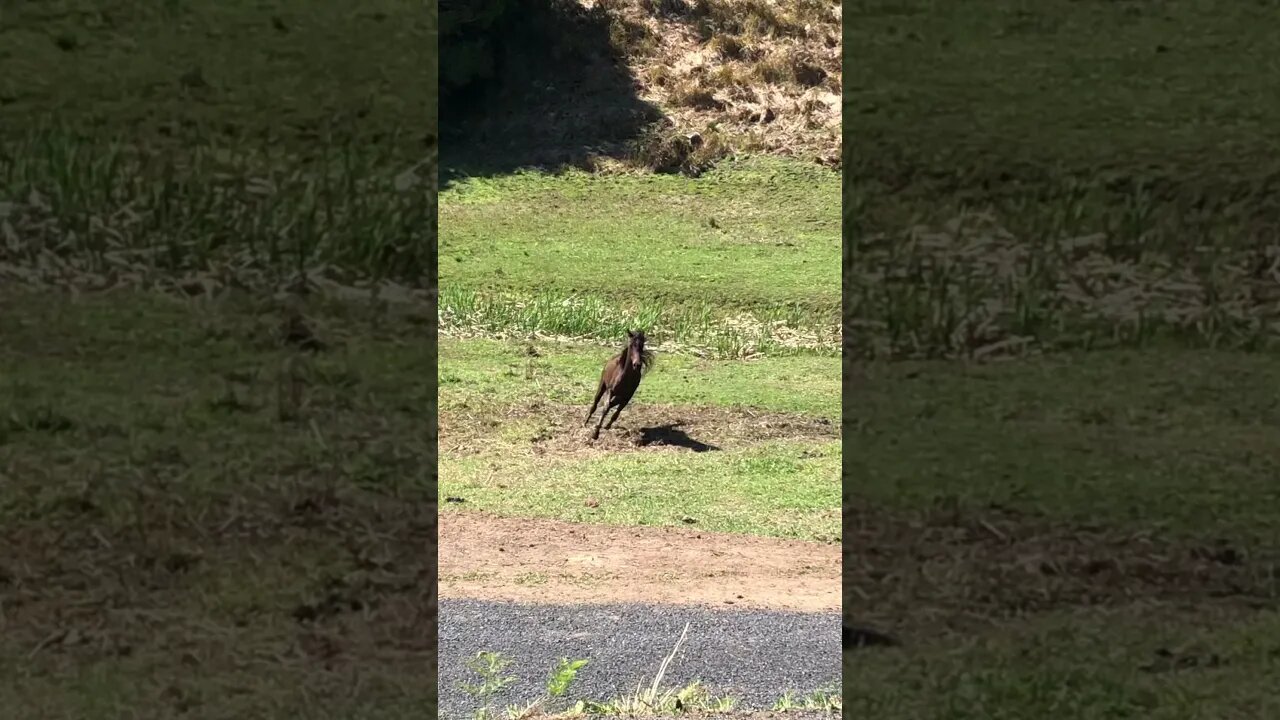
[944, 568]
[558, 430]
[495, 558]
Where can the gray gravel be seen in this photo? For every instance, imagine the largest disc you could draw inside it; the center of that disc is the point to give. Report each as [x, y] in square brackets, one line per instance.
[754, 656]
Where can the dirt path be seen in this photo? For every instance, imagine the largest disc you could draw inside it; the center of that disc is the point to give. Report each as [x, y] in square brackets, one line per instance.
[493, 558]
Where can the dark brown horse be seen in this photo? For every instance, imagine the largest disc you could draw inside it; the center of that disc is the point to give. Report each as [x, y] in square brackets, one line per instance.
[620, 379]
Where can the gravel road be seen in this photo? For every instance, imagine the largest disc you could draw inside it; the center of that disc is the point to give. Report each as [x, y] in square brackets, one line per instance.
[755, 656]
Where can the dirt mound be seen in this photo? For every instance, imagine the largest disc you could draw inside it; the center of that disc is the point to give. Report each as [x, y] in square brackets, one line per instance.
[948, 567]
[483, 556]
[559, 430]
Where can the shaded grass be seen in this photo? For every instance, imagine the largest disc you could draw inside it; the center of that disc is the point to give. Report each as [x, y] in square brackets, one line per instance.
[779, 490]
[1164, 92]
[759, 233]
[1149, 448]
[1073, 178]
[279, 71]
[1179, 441]
[186, 503]
[108, 691]
[100, 210]
[242, 143]
[1117, 154]
[169, 539]
[1079, 665]
[973, 289]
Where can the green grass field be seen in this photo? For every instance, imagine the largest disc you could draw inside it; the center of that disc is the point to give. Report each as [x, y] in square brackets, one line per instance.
[780, 486]
[1063, 410]
[733, 277]
[739, 261]
[197, 516]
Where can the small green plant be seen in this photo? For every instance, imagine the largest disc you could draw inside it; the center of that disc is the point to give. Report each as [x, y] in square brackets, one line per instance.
[822, 699]
[563, 676]
[490, 666]
[644, 702]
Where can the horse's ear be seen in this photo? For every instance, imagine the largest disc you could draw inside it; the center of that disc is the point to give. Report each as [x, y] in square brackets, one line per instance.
[630, 334]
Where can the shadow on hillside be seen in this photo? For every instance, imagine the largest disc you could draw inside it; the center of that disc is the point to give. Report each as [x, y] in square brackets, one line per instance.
[564, 95]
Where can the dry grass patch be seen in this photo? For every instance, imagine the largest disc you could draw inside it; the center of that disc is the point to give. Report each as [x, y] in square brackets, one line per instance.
[764, 76]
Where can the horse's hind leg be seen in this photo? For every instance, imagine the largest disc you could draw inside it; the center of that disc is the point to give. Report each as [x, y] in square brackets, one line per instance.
[594, 404]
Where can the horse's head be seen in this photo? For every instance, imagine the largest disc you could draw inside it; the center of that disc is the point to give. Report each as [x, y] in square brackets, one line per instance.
[636, 352]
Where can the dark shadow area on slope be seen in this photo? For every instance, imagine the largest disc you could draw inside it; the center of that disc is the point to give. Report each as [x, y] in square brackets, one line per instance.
[563, 95]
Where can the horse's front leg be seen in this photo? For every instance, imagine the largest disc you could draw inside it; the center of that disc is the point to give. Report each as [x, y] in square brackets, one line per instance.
[616, 413]
[595, 403]
[596, 435]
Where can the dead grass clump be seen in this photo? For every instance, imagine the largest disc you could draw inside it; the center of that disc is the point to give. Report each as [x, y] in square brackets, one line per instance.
[789, 65]
[668, 150]
[765, 18]
[667, 8]
[631, 37]
[756, 18]
[691, 93]
[726, 47]
[660, 76]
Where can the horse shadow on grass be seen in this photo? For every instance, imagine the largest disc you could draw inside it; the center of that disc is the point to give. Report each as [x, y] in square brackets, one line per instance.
[671, 435]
